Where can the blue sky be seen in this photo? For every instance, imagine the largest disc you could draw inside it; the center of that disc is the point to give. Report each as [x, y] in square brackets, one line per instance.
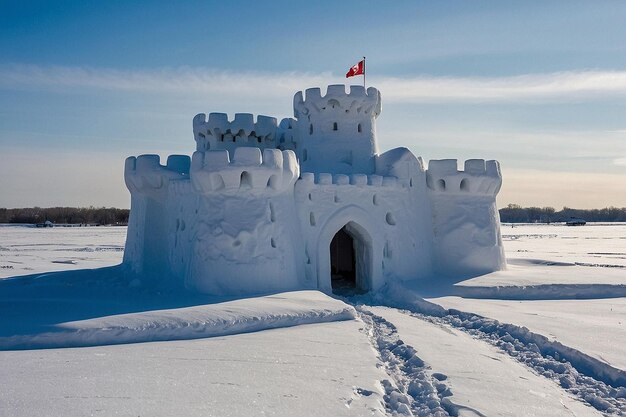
[540, 86]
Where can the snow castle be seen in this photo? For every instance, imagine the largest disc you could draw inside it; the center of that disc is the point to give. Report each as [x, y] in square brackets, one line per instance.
[308, 203]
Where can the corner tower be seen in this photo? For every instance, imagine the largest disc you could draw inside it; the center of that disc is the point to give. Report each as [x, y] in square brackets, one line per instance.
[337, 132]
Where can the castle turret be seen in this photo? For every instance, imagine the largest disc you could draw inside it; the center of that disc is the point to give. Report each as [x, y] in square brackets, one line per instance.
[466, 223]
[219, 133]
[337, 132]
[149, 184]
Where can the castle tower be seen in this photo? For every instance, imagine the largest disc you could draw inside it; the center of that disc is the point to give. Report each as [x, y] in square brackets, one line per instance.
[218, 133]
[337, 132]
[466, 223]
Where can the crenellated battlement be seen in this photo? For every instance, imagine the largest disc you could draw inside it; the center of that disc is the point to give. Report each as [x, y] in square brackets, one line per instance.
[286, 134]
[145, 175]
[249, 170]
[358, 101]
[218, 132]
[479, 177]
[358, 180]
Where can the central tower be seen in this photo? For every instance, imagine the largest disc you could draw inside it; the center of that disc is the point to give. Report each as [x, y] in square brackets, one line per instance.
[337, 132]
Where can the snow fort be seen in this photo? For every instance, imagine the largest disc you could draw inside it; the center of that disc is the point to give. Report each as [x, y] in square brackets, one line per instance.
[309, 202]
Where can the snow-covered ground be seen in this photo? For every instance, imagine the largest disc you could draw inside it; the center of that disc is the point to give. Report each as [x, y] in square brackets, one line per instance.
[545, 338]
[323, 370]
[596, 244]
[596, 327]
[30, 250]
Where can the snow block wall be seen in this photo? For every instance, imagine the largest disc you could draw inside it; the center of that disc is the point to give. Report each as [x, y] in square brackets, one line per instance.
[466, 223]
[149, 184]
[239, 217]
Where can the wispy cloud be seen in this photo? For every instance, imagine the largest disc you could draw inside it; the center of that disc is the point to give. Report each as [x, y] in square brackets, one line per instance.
[184, 80]
[559, 85]
[203, 81]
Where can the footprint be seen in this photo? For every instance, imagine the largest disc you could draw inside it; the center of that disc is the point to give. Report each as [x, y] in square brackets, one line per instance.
[362, 392]
[440, 377]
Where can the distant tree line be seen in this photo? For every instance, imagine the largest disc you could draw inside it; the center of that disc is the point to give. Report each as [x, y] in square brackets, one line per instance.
[514, 213]
[65, 215]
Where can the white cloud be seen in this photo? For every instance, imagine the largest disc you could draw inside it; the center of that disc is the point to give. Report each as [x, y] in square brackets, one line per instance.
[620, 161]
[203, 81]
[523, 87]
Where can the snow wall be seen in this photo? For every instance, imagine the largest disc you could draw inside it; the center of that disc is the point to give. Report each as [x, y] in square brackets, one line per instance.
[240, 218]
[466, 222]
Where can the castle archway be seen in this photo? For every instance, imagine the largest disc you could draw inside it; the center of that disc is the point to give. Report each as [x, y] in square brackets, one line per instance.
[349, 259]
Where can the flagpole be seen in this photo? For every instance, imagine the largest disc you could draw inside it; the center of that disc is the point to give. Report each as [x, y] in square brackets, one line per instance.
[363, 72]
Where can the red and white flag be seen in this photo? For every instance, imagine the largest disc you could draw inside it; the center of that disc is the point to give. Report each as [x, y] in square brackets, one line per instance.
[357, 69]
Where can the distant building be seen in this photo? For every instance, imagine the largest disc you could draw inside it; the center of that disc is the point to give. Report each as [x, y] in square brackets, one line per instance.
[573, 221]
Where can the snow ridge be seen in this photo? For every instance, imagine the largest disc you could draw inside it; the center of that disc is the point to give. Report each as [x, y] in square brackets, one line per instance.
[553, 360]
[414, 389]
[542, 292]
[209, 320]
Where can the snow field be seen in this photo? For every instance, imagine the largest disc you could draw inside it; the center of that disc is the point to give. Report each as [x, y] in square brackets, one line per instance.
[316, 370]
[29, 250]
[595, 244]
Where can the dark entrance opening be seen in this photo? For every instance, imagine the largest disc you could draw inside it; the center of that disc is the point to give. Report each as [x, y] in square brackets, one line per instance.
[342, 263]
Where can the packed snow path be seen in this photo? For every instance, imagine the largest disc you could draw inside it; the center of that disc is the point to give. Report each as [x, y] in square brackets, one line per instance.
[511, 345]
[458, 375]
[599, 330]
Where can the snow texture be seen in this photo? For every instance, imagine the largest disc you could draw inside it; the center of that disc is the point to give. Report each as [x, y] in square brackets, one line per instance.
[316, 370]
[599, 331]
[463, 369]
[210, 320]
[593, 381]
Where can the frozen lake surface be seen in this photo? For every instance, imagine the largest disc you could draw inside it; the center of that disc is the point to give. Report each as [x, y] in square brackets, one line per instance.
[31, 250]
[546, 337]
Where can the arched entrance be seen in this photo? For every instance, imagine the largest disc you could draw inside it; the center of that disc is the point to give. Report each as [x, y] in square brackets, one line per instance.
[359, 260]
[342, 262]
[350, 260]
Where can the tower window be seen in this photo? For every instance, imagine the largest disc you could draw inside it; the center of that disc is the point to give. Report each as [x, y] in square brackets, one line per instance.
[311, 129]
[358, 128]
[335, 126]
